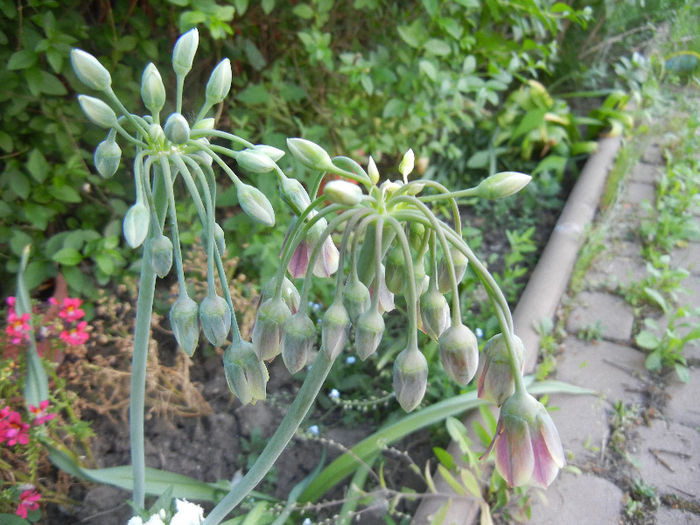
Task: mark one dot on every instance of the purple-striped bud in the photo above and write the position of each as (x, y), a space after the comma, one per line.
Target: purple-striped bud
(298, 338)
(215, 317)
(246, 374)
(459, 353)
(460, 261)
(184, 323)
(395, 270)
(369, 330)
(434, 312)
(410, 378)
(334, 331)
(355, 298)
(496, 382)
(267, 331)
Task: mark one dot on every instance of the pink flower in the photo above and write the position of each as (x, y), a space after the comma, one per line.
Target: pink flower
(17, 327)
(76, 335)
(28, 500)
(527, 443)
(40, 413)
(11, 302)
(70, 309)
(12, 429)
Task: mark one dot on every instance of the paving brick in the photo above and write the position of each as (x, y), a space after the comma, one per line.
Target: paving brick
(682, 406)
(668, 455)
(653, 154)
(687, 257)
(637, 192)
(646, 173)
(610, 313)
(605, 367)
(582, 422)
(667, 516)
(584, 500)
(614, 271)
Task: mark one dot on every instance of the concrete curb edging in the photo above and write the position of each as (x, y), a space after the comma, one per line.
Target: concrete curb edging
(539, 300)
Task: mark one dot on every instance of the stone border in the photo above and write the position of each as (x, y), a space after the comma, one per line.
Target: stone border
(539, 300)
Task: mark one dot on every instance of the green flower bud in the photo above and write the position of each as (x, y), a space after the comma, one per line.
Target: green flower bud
(309, 154)
(161, 255)
(254, 161)
(97, 111)
(219, 82)
(255, 204)
(416, 235)
(369, 330)
(203, 154)
(406, 164)
(267, 331)
(272, 152)
(334, 330)
(372, 171)
(343, 192)
(356, 298)
(184, 50)
(410, 378)
(294, 194)
(434, 311)
(496, 382)
(176, 129)
(205, 123)
(156, 133)
(395, 270)
(290, 295)
(107, 156)
(460, 262)
(183, 320)
(219, 239)
(215, 318)
(136, 223)
(245, 373)
(298, 338)
(89, 70)
(459, 352)
(152, 89)
(503, 184)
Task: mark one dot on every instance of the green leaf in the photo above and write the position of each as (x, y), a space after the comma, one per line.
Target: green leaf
(470, 482)
(451, 481)
(127, 43)
(530, 121)
(254, 94)
(241, 6)
(479, 160)
(37, 272)
(394, 108)
(437, 47)
(412, 34)
(22, 59)
(51, 85)
(653, 361)
(268, 6)
(5, 141)
(255, 57)
(431, 6)
(67, 256)
(458, 433)
(19, 184)
(655, 296)
(682, 373)
(38, 215)
(427, 67)
(77, 282)
(12, 519)
(37, 166)
(65, 193)
(105, 263)
(303, 11)
(646, 339)
(444, 457)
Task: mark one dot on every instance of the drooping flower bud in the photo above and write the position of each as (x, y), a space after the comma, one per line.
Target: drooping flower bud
(176, 129)
(274, 153)
(386, 298)
(267, 331)
(155, 132)
(161, 249)
(503, 184)
(152, 89)
(369, 330)
(215, 318)
(294, 194)
(406, 164)
(97, 111)
(290, 294)
(136, 223)
(434, 311)
(416, 236)
(327, 264)
(459, 352)
(255, 204)
(372, 171)
(205, 123)
(334, 331)
(298, 338)
(219, 82)
(184, 51)
(183, 320)
(89, 70)
(310, 154)
(460, 262)
(496, 382)
(410, 378)
(255, 161)
(220, 239)
(355, 298)
(343, 192)
(395, 270)
(246, 374)
(203, 154)
(107, 156)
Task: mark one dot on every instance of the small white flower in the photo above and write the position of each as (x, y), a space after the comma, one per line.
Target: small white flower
(478, 332)
(313, 430)
(306, 521)
(334, 394)
(154, 520)
(187, 513)
(136, 520)
(350, 360)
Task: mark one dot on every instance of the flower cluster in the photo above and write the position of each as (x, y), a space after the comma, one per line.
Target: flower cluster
(18, 326)
(186, 513)
(28, 500)
(74, 331)
(14, 430)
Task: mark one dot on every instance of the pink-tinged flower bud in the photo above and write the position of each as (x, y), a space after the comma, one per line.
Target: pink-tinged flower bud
(107, 156)
(215, 318)
(459, 353)
(246, 374)
(395, 270)
(274, 153)
(355, 298)
(460, 262)
(327, 263)
(334, 331)
(184, 322)
(289, 292)
(161, 255)
(176, 129)
(255, 161)
(343, 192)
(97, 111)
(496, 382)
(267, 331)
(369, 330)
(503, 184)
(295, 195)
(136, 223)
(152, 89)
(298, 338)
(434, 312)
(89, 70)
(184, 51)
(255, 204)
(219, 83)
(386, 298)
(410, 378)
(527, 444)
(310, 154)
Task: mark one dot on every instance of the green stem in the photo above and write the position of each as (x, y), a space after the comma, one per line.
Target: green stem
(412, 299)
(221, 134)
(279, 440)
